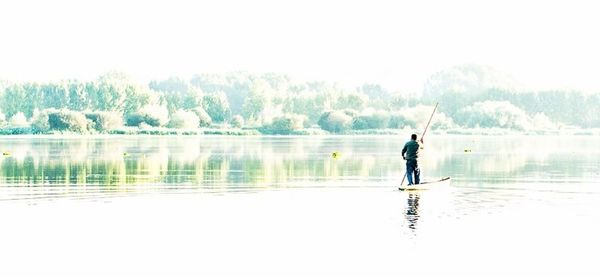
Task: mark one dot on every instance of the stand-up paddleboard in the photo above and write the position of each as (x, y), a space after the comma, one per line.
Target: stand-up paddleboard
(444, 182)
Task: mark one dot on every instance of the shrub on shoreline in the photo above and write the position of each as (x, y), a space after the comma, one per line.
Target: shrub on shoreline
(335, 121)
(66, 120)
(237, 121)
(104, 121)
(374, 120)
(153, 115)
(204, 120)
(184, 120)
(284, 125)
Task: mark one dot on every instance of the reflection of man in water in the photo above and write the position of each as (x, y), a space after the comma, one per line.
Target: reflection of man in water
(412, 210)
(411, 149)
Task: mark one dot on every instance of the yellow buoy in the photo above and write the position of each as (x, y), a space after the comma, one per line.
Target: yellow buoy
(335, 155)
(125, 154)
(5, 153)
(467, 150)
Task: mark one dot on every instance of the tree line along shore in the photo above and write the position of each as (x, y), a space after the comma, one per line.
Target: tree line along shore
(473, 99)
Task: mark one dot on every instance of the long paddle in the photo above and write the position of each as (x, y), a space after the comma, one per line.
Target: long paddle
(422, 136)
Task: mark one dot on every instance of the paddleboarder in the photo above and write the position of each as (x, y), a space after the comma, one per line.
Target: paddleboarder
(410, 153)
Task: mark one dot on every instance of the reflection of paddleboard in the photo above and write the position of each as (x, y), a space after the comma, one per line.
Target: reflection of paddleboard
(427, 185)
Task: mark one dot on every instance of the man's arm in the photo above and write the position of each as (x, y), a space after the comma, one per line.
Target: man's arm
(404, 151)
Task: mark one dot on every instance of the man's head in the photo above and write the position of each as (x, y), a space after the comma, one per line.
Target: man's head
(413, 136)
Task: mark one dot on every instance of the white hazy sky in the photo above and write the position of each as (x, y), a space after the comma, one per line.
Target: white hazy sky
(396, 43)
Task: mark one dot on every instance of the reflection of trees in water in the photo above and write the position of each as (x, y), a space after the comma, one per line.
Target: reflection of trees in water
(266, 161)
(412, 210)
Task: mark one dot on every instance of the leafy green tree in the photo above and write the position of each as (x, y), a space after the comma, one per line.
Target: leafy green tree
(34, 98)
(235, 85)
(66, 120)
(253, 106)
(104, 121)
(110, 91)
(354, 101)
(18, 120)
(488, 114)
(178, 93)
(39, 121)
(77, 95)
(373, 120)
(152, 115)
(312, 105)
(284, 125)
(463, 85)
(335, 121)
(237, 121)
(204, 119)
(399, 121)
(138, 98)
(217, 107)
(13, 100)
(374, 91)
(590, 118)
(184, 120)
(56, 95)
(172, 84)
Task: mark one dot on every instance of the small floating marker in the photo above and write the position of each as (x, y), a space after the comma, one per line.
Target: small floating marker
(467, 150)
(335, 155)
(125, 154)
(5, 153)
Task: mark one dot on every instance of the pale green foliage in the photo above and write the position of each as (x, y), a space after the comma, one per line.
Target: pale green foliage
(284, 125)
(18, 120)
(56, 95)
(235, 85)
(13, 100)
(258, 99)
(441, 122)
(182, 119)
(263, 103)
(541, 122)
(310, 104)
(204, 119)
(490, 114)
(371, 120)
(138, 98)
(39, 121)
(464, 85)
(66, 120)
(335, 121)
(111, 91)
(237, 121)
(397, 102)
(153, 115)
(466, 79)
(217, 106)
(416, 118)
(178, 93)
(399, 121)
(355, 101)
(104, 121)
(78, 99)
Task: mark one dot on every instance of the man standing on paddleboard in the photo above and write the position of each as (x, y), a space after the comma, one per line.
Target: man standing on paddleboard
(410, 153)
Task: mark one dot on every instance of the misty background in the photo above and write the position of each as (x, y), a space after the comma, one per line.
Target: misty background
(286, 66)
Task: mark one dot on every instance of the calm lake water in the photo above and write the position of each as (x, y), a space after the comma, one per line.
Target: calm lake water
(283, 206)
